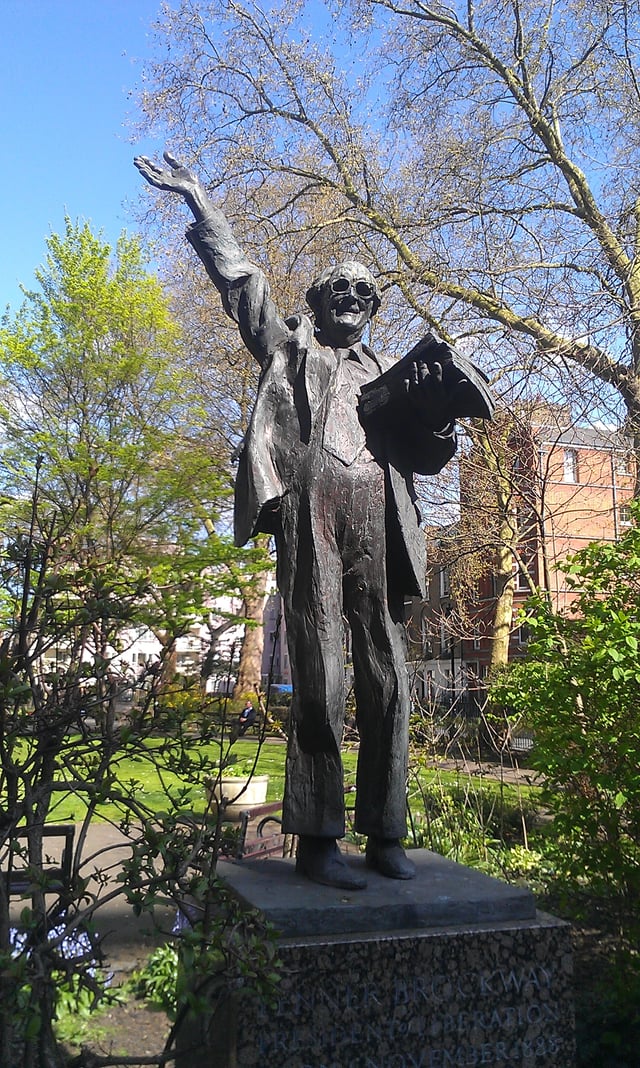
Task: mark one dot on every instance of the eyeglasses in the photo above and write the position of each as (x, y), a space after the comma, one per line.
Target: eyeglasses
(362, 288)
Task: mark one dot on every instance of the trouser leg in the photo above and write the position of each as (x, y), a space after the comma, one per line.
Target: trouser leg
(382, 695)
(310, 578)
(382, 713)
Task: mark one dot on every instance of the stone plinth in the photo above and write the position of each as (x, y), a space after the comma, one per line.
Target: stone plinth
(442, 894)
(450, 970)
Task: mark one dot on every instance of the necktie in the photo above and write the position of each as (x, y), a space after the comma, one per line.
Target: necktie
(344, 436)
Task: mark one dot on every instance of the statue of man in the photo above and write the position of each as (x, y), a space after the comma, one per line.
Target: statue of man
(336, 492)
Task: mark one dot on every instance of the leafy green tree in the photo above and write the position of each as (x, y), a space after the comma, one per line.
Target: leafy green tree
(110, 500)
(579, 689)
(94, 392)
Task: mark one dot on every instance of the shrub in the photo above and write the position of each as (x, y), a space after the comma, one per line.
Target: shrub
(579, 688)
(157, 981)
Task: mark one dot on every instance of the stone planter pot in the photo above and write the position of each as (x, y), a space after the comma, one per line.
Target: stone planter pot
(240, 793)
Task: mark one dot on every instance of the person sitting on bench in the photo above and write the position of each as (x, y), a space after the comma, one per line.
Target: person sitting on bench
(246, 718)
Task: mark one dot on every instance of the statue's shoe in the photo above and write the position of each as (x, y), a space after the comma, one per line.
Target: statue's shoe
(387, 856)
(320, 860)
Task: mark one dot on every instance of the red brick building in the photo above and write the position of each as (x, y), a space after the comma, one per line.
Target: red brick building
(570, 486)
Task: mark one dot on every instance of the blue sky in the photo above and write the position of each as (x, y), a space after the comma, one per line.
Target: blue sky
(67, 68)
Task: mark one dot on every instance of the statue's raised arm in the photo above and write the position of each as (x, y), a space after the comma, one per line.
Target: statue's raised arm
(242, 285)
(176, 178)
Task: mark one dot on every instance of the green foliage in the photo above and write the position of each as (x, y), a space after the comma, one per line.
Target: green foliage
(579, 689)
(157, 981)
(532, 867)
(109, 496)
(55, 980)
(227, 948)
(607, 1021)
(93, 396)
(76, 1005)
(453, 831)
(236, 769)
(472, 823)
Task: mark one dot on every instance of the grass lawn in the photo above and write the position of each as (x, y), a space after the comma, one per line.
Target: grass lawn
(151, 778)
(156, 778)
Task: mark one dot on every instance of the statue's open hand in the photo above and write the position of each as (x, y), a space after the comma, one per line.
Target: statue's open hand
(174, 179)
(426, 392)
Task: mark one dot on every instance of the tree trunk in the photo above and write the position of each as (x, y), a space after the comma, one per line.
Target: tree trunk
(507, 542)
(503, 619)
(249, 678)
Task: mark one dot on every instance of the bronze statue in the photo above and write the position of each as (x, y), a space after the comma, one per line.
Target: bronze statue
(326, 468)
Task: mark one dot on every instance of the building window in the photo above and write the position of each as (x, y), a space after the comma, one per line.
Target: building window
(570, 465)
(624, 515)
(428, 689)
(522, 575)
(523, 635)
(447, 637)
(426, 637)
(623, 463)
(445, 586)
(477, 636)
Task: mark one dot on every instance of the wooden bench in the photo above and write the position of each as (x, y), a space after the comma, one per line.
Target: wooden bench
(259, 833)
(260, 830)
(254, 728)
(55, 875)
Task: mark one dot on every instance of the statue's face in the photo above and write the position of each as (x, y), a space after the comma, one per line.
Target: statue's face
(346, 305)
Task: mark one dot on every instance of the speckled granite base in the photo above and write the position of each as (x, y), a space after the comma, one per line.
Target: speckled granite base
(458, 996)
(498, 997)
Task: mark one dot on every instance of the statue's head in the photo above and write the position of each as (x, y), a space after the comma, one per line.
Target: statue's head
(343, 300)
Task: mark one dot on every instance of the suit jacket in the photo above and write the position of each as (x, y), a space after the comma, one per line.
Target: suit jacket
(296, 377)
